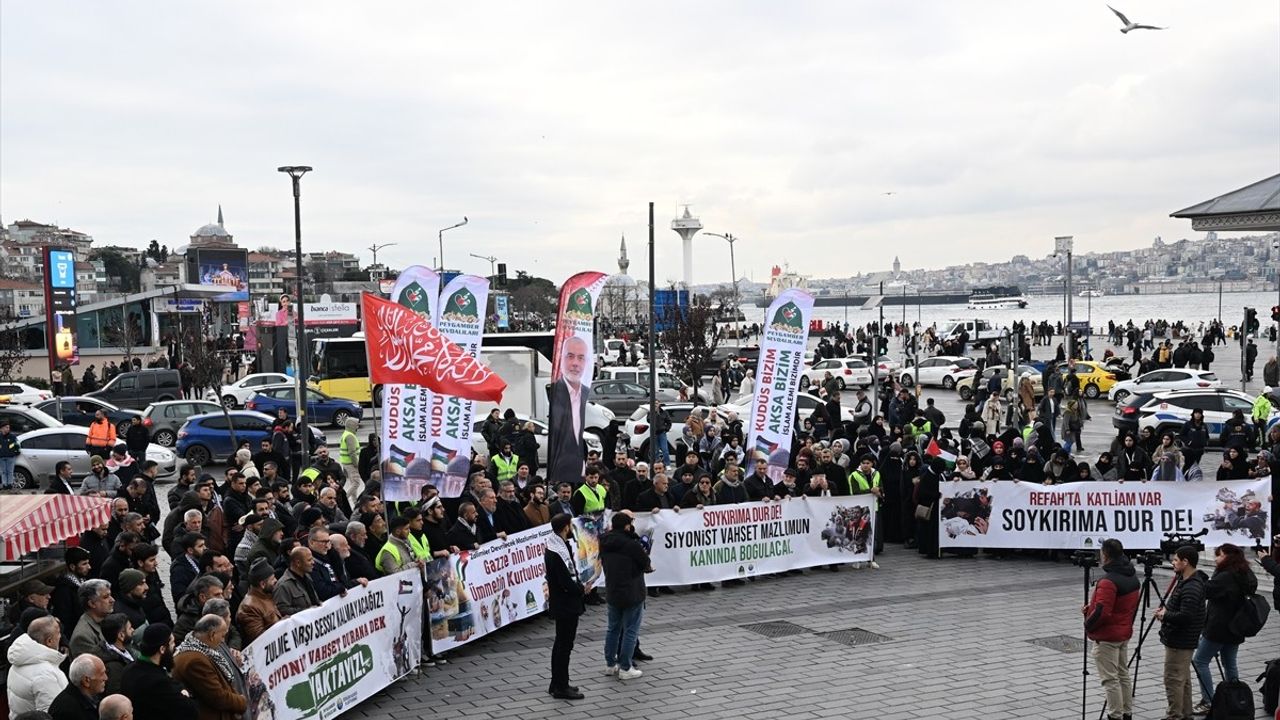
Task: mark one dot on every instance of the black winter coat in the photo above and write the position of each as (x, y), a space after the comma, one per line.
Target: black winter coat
(1184, 613)
(1225, 592)
(625, 563)
(565, 594)
(155, 695)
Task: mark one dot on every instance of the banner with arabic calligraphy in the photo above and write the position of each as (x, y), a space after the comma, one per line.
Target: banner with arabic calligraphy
(773, 407)
(461, 319)
(571, 373)
(405, 434)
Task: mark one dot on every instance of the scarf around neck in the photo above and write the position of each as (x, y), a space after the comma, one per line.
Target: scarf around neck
(191, 643)
(563, 549)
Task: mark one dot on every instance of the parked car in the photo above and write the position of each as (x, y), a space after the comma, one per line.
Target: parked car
(236, 394)
(25, 419)
(939, 371)
(806, 404)
(320, 407)
(206, 438)
(964, 386)
(79, 410)
(480, 447)
(1170, 410)
(139, 388)
(1125, 417)
(16, 393)
(846, 371)
(1094, 377)
(624, 397)
(1166, 379)
(163, 419)
(667, 380)
(887, 367)
(43, 449)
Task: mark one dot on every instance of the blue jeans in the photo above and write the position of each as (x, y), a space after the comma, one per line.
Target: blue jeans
(624, 627)
(663, 452)
(6, 471)
(1200, 661)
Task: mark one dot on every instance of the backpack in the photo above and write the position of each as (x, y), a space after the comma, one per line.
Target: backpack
(1232, 700)
(1270, 689)
(1251, 616)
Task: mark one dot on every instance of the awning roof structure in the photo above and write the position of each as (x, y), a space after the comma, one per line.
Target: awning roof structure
(1252, 207)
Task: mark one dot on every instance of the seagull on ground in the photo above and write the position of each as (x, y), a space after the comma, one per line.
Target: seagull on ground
(1131, 25)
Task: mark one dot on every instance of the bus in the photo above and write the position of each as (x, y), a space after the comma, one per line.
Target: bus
(340, 366)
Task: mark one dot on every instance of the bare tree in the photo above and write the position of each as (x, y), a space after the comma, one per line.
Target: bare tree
(12, 347)
(122, 331)
(689, 337)
(203, 363)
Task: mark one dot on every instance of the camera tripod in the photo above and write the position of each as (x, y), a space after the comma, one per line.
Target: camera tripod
(1149, 588)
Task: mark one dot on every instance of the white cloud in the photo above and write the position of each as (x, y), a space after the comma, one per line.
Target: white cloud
(551, 125)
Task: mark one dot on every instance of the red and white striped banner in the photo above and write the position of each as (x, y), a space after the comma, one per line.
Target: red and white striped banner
(31, 522)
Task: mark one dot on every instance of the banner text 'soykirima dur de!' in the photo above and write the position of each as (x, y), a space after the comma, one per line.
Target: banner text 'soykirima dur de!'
(1079, 516)
(773, 406)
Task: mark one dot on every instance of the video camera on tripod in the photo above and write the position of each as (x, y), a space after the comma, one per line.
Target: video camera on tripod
(1172, 541)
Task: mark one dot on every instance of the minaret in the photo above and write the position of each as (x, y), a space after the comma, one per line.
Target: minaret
(623, 262)
(220, 216)
(687, 226)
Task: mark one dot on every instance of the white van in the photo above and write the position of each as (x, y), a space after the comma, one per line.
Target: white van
(979, 331)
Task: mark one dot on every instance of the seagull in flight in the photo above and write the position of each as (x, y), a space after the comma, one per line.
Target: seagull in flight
(1131, 25)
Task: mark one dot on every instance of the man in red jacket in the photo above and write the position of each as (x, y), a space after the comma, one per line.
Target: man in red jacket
(1108, 621)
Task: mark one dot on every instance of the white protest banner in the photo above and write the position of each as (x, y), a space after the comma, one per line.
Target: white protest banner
(473, 593)
(460, 319)
(736, 541)
(327, 659)
(406, 442)
(1077, 516)
(781, 361)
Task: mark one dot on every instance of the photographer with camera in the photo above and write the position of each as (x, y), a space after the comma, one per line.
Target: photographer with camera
(1108, 621)
(1181, 621)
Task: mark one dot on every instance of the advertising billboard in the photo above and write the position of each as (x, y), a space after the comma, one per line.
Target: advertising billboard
(502, 310)
(60, 310)
(223, 269)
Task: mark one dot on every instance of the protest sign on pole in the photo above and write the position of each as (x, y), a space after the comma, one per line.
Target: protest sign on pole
(571, 372)
(778, 369)
(327, 659)
(725, 542)
(461, 320)
(405, 434)
(1079, 516)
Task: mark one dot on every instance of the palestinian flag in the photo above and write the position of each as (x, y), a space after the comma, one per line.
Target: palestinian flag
(440, 457)
(936, 450)
(399, 459)
(764, 448)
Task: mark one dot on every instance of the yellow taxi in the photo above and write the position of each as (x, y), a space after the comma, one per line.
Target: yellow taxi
(1095, 378)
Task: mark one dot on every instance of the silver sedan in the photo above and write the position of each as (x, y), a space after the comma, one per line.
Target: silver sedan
(43, 449)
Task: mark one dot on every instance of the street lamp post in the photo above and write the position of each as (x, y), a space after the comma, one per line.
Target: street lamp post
(491, 260)
(733, 268)
(1063, 244)
(440, 235)
(295, 173)
(374, 248)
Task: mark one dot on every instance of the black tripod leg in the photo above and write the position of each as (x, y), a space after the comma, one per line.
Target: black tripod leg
(1084, 661)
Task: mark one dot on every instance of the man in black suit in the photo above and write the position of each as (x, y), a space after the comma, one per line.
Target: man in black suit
(60, 483)
(564, 603)
(488, 526)
(568, 398)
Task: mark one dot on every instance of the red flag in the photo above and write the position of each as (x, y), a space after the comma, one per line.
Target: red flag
(405, 348)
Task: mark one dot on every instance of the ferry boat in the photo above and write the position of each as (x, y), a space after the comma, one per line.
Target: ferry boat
(997, 298)
(1090, 293)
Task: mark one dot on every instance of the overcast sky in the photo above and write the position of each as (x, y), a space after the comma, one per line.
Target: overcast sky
(996, 125)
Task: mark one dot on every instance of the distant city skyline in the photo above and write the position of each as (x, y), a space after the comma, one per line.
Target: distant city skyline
(831, 135)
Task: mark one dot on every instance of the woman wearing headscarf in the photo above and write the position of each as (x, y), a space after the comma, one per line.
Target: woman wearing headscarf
(1234, 466)
(891, 483)
(1105, 468)
(911, 468)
